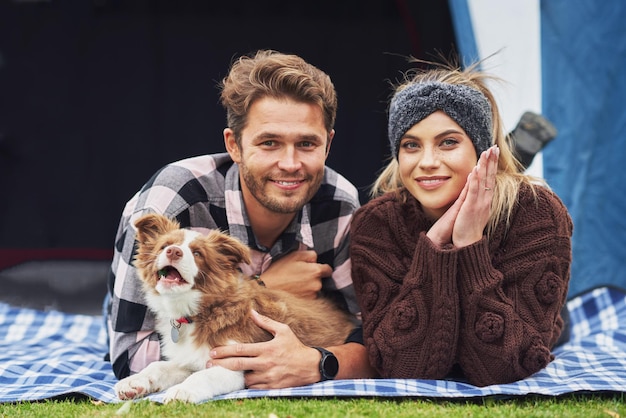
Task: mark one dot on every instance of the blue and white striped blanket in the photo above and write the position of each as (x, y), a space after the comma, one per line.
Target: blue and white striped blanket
(52, 354)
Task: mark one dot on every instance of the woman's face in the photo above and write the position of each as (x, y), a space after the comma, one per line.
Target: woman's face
(435, 157)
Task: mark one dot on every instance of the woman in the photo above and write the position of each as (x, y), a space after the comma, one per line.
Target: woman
(462, 266)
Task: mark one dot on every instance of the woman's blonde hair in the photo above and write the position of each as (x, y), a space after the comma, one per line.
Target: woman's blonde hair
(510, 172)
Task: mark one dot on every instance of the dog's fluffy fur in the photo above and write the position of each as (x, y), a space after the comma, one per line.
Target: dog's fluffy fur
(189, 275)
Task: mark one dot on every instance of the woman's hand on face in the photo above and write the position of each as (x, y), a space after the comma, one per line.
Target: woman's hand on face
(441, 232)
(473, 216)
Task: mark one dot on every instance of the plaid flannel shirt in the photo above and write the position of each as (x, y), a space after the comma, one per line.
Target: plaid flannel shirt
(204, 193)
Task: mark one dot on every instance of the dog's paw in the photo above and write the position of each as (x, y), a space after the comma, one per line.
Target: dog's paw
(205, 384)
(133, 387)
(187, 393)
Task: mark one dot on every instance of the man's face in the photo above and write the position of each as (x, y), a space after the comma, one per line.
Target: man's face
(283, 151)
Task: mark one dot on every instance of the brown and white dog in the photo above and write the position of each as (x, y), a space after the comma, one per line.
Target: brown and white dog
(201, 300)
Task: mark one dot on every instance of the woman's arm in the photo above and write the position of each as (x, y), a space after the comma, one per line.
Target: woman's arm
(512, 293)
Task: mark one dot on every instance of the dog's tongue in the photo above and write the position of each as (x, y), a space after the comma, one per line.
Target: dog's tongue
(170, 275)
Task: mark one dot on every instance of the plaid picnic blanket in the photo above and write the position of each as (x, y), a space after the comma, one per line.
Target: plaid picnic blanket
(52, 354)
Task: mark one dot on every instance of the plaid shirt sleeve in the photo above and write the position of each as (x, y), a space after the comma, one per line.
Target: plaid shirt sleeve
(330, 224)
(181, 190)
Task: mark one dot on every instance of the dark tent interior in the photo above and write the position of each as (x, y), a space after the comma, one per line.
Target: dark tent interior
(95, 96)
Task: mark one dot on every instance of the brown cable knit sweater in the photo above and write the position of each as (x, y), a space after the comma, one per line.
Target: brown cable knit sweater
(491, 308)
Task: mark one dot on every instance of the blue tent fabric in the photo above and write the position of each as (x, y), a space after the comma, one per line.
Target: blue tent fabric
(45, 355)
(583, 59)
(459, 11)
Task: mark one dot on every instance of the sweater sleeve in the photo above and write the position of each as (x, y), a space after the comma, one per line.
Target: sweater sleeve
(408, 296)
(512, 290)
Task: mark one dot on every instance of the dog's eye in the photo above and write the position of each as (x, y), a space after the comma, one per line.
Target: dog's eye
(196, 253)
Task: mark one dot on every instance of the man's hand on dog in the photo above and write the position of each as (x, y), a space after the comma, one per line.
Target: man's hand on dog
(279, 363)
(298, 273)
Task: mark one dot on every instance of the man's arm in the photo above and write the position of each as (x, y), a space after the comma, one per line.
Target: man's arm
(133, 343)
(284, 361)
(353, 361)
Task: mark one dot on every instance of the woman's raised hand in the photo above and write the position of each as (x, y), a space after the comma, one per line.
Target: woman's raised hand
(473, 216)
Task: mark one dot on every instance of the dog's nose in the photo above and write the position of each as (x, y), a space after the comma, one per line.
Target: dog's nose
(173, 253)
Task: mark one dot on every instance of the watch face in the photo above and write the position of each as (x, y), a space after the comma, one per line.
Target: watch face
(331, 366)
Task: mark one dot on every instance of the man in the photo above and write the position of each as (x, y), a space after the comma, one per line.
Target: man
(273, 192)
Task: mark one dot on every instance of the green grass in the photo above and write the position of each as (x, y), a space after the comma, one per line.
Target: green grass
(586, 406)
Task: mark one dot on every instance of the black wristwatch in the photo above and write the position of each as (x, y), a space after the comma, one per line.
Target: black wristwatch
(329, 365)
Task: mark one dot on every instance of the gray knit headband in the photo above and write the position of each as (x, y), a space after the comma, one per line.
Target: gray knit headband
(467, 106)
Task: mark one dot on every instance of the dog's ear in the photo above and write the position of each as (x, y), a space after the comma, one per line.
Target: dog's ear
(153, 225)
(234, 250)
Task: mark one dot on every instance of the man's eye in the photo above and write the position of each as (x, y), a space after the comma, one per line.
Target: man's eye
(307, 144)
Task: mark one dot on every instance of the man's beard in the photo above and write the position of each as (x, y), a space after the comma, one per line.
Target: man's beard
(285, 205)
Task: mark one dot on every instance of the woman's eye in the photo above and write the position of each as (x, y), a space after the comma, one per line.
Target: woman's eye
(449, 142)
